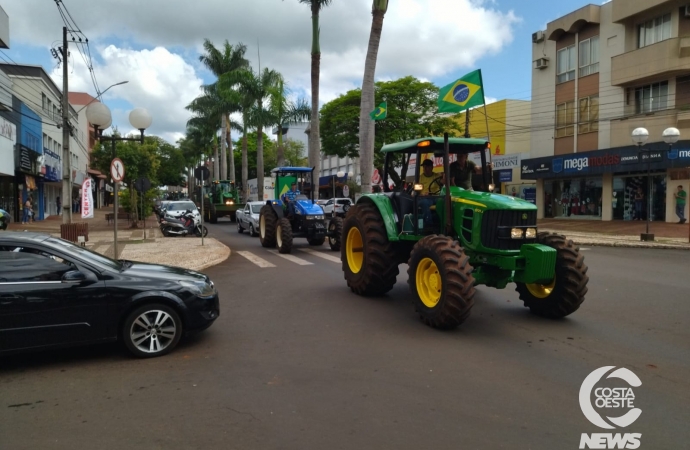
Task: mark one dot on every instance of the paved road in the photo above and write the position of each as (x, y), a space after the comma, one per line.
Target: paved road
(298, 362)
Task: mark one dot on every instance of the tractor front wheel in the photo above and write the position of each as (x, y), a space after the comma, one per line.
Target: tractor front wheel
(268, 222)
(335, 231)
(369, 259)
(566, 292)
(210, 212)
(440, 277)
(284, 235)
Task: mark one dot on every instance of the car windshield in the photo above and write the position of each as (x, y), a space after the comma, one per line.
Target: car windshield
(181, 206)
(83, 252)
(256, 209)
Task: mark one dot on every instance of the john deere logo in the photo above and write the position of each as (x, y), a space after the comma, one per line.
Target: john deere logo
(524, 216)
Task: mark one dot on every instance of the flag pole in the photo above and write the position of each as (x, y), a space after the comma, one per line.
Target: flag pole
(488, 135)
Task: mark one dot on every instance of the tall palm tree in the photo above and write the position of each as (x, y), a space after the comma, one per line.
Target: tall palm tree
(255, 88)
(366, 125)
(314, 138)
(285, 111)
(209, 109)
(219, 62)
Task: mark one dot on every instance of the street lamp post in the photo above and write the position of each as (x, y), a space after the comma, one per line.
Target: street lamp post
(101, 94)
(99, 116)
(640, 137)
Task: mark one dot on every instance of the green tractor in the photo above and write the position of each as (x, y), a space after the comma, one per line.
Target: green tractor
(467, 238)
(222, 199)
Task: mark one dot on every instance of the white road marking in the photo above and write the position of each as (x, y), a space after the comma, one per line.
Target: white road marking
(256, 260)
(584, 248)
(311, 251)
(294, 259)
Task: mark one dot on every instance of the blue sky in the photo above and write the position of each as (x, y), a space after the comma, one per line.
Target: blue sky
(160, 57)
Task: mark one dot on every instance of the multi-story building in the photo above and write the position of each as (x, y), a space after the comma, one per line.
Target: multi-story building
(599, 73)
(35, 89)
(8, 130)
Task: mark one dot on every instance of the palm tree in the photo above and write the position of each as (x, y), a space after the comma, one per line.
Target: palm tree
(366, 125)
(314, 138)
(255, 89)
(285, 111)
(209, 110)
(221, 62)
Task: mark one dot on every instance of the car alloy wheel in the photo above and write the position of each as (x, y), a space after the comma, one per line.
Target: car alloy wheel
(152, 330)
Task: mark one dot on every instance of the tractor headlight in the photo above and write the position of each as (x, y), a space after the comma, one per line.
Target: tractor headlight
(316, 217)
(531, 233)
(516, 233)
(229, 202)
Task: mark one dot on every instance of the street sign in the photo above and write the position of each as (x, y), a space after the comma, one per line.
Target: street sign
(202, 173)
(142, 185)
(346, 191)
(117, 170)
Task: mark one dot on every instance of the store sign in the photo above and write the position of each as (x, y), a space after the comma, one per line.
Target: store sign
(651, 156)
(25, 159)
(8, 138)
(53, 166)
(678, 154)
(506, 161)
(86, 199)
(528, 168)
(505, 176)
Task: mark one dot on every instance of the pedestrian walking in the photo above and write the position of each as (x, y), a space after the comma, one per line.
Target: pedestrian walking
(680, 196)
(58, 203)
(27, 211)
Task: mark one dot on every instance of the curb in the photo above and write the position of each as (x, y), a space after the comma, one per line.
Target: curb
(216, 261)
(631, 245)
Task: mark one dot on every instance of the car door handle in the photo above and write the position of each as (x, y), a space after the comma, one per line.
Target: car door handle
(7, 299)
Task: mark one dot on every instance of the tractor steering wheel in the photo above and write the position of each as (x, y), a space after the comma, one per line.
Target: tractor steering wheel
(438, 183)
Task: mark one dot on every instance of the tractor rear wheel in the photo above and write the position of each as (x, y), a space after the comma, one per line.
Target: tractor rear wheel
(369, 259)
(210, 212)
(440, 277)
(268, 222)
(566, 292)
(335, 227)
(284, 235)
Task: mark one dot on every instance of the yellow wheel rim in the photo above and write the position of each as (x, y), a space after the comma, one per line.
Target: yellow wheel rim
(262, 227)
(429, 283)
(354, 250)
(279, 236)
(541, 290)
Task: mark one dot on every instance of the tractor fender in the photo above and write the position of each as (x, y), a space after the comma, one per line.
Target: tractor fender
(277, 206)
(385, 207)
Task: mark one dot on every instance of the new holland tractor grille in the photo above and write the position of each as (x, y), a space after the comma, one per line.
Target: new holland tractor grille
(495, 223)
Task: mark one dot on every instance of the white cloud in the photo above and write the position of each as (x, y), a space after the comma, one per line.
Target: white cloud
(423, 38)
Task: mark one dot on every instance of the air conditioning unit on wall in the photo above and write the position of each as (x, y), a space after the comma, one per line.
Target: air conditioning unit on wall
(541, 63)
(538, 36)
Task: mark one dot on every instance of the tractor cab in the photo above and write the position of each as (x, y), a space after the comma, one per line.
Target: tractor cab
(290, 185)
(225, 192)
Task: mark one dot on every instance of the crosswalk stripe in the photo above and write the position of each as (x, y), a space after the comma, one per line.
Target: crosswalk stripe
(294, 259)
(255, 259)
(311, 251)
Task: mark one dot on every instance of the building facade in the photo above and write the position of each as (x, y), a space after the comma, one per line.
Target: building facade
(599, 73)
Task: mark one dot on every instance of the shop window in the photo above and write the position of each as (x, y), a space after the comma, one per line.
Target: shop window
(653, 31)
(631, 195)
(565, 64)
(565, 119)
(589, 56)
(573, 197)
(652, 97)
(589, 115)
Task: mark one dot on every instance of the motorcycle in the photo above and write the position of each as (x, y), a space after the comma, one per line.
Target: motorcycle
(184, 225)
(4, 219)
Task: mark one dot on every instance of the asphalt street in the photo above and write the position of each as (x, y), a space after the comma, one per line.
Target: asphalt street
(296, 361)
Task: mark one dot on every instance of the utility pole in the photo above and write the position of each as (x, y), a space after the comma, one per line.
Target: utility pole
(66, 160)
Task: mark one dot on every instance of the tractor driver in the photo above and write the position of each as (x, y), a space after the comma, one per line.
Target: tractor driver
(432, 184)
(289, 198)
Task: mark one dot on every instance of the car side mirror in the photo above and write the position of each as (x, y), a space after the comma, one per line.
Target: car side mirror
(74, 277)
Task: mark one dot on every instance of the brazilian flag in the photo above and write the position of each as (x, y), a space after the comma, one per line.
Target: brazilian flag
(379, 113)
(462, 94)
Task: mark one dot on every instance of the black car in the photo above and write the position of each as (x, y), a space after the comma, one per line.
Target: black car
(54, 293)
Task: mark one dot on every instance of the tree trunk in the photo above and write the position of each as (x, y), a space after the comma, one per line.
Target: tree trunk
(245, 169)
(223, 155)
(231, 154)
(281, 150)
(133, 206)
(260, 161)
(216, 169)
(314, 139)
(366, 125)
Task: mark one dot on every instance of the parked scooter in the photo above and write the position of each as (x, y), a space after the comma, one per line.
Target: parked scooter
(184, 225)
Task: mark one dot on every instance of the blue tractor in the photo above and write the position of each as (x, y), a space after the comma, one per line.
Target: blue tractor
(281, 219)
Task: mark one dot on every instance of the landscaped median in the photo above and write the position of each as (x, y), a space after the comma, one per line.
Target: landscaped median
(608, 240)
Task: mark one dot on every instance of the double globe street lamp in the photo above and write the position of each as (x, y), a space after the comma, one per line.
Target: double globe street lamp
(640, 137)
(100, 117)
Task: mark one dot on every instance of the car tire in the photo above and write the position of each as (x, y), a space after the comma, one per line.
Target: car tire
(152, 330)
(252, 231)
(239, 227)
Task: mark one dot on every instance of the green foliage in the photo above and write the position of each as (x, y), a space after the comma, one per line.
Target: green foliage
(252, 142)
(172, 165)
(411, 114)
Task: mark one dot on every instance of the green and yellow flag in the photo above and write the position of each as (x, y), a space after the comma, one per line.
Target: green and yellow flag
(379, 113)
(462, 94)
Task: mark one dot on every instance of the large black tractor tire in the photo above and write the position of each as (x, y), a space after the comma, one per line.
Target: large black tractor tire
(564, 295)
(268, 222)
(210, 215)
(369, 259)
(335, 227)
(284, 236)
(440, 277)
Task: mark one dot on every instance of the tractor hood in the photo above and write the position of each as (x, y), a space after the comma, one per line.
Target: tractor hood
(306, 207)
(489, 200)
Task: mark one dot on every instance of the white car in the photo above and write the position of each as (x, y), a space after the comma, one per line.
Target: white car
(248, 218)
(342, 206)
(176, 208)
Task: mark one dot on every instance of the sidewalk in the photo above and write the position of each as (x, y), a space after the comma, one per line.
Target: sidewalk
(138, 244)
(619, 233)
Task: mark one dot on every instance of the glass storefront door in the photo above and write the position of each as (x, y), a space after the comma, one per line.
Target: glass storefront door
(631, 197)
(8, 197)
(572, 198)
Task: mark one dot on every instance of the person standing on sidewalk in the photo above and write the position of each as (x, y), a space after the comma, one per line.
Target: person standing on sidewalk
(680, 196)
(58, 203)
